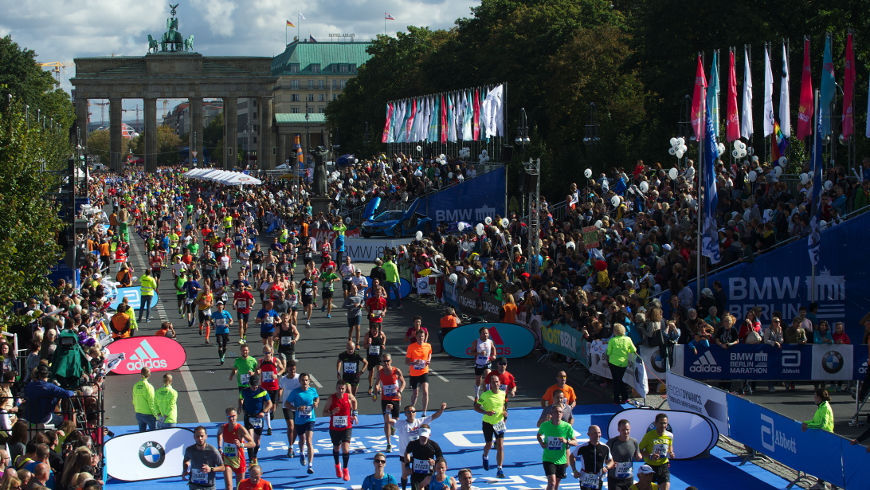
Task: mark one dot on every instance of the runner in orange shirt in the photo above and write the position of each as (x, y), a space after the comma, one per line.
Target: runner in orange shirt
(418, 357)
(256, 481)
(561, 384)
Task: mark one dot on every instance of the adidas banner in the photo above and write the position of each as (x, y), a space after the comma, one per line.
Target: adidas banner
(129, 356)
(147, 455)
(761, 361)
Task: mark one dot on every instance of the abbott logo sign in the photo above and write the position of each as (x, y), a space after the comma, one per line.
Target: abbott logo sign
(772, 438)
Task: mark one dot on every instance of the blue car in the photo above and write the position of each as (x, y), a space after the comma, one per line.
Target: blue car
(394, 223)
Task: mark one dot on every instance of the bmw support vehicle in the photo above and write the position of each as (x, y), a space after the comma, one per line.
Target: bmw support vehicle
(394, 223)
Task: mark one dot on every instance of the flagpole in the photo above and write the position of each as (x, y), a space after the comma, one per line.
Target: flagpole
(698, 210)
(812, 204)
(298, 23)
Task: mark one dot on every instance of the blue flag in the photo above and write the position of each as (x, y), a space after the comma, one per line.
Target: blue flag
(815, 239)
(827, 92)
(713, 93)
(709, 230)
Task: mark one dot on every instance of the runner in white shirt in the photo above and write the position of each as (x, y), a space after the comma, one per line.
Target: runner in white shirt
(346, 271)
(408, 429)
(484, 350)
(286, 385)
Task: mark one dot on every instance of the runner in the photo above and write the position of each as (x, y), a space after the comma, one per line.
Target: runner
(465, 479)
(306, 287)
(347, 271)
(439, 480)
(559, 401)
(305, 400)
(354, 303)
(201, 462)
(243, 301)
(222, 321)
(288, 336)
(408, 429)
(267, 317)
(180, 292)
(376, 306)
(595, 460)
(645, 475)
(286, 385)
(327, 279)
(493, 405)
(256, 403)
(191, 289)
(348, 367)
(379, 479)
(420, 456)
(373, 344)
(657, 447)
(391, 383)
(255, 481)
(505, 379)
(555, 436)
(245, 366)
(342, 412)
(625, 451)
(419, 356)
(232, 438)
(270, 369)
(484, 350)
(204, 300)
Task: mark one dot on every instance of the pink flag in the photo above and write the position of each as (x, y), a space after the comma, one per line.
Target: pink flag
(443, 120)
(385, 136)
(732, 122)
(699, 104)
(805, 109)
(849, 90)
(475, 122)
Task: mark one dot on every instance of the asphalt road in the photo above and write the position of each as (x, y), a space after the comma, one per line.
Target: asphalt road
(205, 390)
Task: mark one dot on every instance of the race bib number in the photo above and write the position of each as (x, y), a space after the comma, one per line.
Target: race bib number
(220, 322)
(421, 466)
(481, 361)
(420, 364)
(268, 376)
(339, 421)
(350, 368)
(502, 387)
(589, 480)
(230, 450)
(554, 443)
(499, 428)
(256, 422)
(243, 378)
(304, 410)
(198, 476)
(286, 340)
(391, 390)
(661, 450)
(377, 313)
(624, 469)
(374, 350)
(243, 304)
(190, 300)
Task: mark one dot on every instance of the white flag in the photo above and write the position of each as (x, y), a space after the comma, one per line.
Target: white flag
(492, 109)
(768, 95)
(784, 110)
(301, 16)
(746, 128)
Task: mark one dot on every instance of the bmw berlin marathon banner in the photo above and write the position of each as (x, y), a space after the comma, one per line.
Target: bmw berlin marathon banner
(471, 201)
(147, 455)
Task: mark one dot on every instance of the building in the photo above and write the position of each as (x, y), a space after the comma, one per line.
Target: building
(179, 117)
(310, 75)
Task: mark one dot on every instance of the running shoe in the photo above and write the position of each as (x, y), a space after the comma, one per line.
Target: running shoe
(500, 473)
(290, 452)
(302, 458)
(307, 323)
(310, 470)
(269, 431)
(338, 471)
(485, 464)
(389, 448)
(328, 315)
(346, 475)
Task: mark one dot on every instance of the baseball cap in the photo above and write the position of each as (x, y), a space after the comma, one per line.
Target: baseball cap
(645, 470)
(424, 432)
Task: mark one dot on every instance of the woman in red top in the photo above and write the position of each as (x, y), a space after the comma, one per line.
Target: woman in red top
(342, 414)
(270, 368)
(391, 381)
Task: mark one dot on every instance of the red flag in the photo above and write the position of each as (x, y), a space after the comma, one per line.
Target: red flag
(443, 120)
(805, 110)
(699, 101)
(475, 121)
(732, 123)
(387, 125)
(849, 90)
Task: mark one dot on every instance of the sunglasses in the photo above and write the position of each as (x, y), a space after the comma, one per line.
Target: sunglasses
(380, 461)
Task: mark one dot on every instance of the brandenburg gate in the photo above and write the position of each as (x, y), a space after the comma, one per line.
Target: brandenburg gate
(172, 70)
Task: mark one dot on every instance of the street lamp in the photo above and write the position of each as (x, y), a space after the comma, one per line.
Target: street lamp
(590, 130)
(532, 168)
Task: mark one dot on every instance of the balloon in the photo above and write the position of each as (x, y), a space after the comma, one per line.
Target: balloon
(674, 141)
(418, 235)
(804, 178)
(742, 152)
(672, 173)
(487, 220)
(777, 171)
(679, 153)
(605, 186)
(347, 220)
(599, 224)
(681, 141)
(505, 222)
(828, 185)
(461, 226)
(751, 151)
(644, 186)
(452, 278)
(419, 148)
(823, 224)
(479, 228)
(587, 173)
(350, 181)
(614, 201)
(684, 148)
(735, 153)
(672, 151)
(721, 148)
(752, 176)
(449, 175)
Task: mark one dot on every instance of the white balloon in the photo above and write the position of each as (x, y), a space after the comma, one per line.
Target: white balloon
(461, 226)
(418, 235)
(823, 224)
(487, 220)
(721, 148)
(505, 222)
(350, 181)
(587, 173)
(599, 224)
(742, 152)
(452, 278)
(679, 153)
(449, 175)
(644, 186)
(347, 220)
(804, 178)
(752, 176)
(681, 141)
(672, 151)
(479, 228)
(674, 141)
(605, 186)
(735, 153)
(777, 171)
(614, 201)
(828, 185)
(783, 160)
(419, 148)
(672, 173)
(684, 148)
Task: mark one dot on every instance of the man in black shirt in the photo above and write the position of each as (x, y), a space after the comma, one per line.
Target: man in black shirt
(595, 460)
(348, 366)
(420, 456)
(378, 272)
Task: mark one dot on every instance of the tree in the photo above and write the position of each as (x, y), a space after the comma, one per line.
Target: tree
(168, 145)
(213, 140)
(99, 145)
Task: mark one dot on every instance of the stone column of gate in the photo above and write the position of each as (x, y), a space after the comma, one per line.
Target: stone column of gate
(115, 133)
(150, 134)
(231, 116)
(282, 147)
(82, 121)
(195, 136)
(266, 157)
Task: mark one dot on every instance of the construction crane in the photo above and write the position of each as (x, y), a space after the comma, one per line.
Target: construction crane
(57, 65)
(102, 111)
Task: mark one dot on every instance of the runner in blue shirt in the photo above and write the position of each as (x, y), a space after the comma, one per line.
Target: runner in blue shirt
(256, 402)
(305, 400)
(267, 317)
(222, 321)
(192, 288)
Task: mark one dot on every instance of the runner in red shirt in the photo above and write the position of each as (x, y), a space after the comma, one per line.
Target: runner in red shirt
(506, 381)
(270, 369)
(233, 438)
(256, 481)
(243, 300)
(377, 307)
(391, 383)
(342, 414)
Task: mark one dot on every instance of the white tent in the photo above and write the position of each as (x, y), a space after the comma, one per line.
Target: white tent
(225, 177)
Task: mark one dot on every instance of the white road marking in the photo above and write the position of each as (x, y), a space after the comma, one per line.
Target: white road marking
(314, 381)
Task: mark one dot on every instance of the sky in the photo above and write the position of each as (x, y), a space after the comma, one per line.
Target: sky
(61, 30)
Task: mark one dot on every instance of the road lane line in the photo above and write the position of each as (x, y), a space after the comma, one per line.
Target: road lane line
(314, 381)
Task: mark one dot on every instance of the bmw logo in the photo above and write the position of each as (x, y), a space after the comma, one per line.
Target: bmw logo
(832, 362)
(657, 362)
(152, 454)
